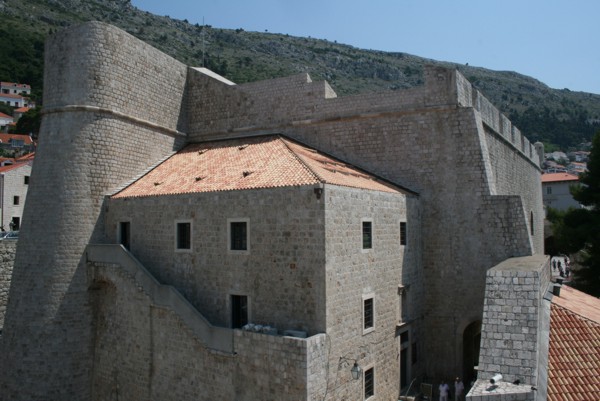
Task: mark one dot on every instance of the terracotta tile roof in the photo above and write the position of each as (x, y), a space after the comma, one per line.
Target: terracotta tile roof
(2, 115)
(15, 85)
(27, 157)
(9, 167)
(574, 350)
(23, 109)
(556, 177)
(249, 163)
(11, 96)
(5, 138)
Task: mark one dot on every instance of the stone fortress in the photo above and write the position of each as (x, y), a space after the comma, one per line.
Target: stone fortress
(121, 290)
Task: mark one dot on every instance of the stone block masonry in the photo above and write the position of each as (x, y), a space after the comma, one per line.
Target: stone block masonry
(103, 124)
(114, 106)
(7, 260)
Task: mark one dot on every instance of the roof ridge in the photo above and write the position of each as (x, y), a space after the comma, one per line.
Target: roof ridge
(577, 314)
(301, 160)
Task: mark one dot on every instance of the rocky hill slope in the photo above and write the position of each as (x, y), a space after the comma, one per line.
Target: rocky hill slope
(558, 117)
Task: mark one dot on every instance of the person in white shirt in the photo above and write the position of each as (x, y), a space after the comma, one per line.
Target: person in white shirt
(444, 389)
(459, 389)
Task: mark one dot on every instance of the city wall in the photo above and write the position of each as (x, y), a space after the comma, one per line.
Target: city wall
(93, 138)
(442, 140)
(477, 176)
(7, 260)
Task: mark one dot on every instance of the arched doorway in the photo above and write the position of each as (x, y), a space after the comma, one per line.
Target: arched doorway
(471, 342)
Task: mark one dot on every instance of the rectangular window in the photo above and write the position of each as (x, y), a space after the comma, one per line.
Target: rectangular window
(26, 180)
(548, 190)
(368, 314)
(124, 233)
(402, 233)
(239, 311)
(239, 236)
(367, 235)
(184, 235)
(15, 200)
(369, 383)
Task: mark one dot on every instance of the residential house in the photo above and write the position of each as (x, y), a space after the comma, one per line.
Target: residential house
(15, 88)
(18, 113)
(577, 167)
(17, 143)
(5, 121)
(14, 184)
(17, 101)
(556, 190)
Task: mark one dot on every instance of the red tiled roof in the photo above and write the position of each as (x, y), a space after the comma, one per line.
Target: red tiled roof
(11, 95)
(574, 350)
(249, 163)
(27, 157)
(2, 115)
(8, 167)
(556, 177)
(5, 138)
(23, 109)
(13, 84)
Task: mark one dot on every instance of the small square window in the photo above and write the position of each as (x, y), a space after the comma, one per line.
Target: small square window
(184, 235)
(368, 315)
(16, 200)
(369, 383)
(26, 180)
(367, 235)
(238, 235)
(402, 233)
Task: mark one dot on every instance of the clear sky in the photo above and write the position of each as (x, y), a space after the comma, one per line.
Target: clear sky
(554, 41)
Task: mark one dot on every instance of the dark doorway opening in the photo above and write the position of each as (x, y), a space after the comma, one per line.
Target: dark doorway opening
(239, 311)
(471, 342)
(124, 234)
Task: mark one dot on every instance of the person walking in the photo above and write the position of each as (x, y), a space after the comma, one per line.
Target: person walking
(444, 389)
(459, 389)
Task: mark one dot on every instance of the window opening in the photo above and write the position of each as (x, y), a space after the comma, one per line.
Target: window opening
(367, 237)
(184, 235)
(239, 311)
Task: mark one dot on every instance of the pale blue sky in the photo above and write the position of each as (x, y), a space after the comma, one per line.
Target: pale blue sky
(554, 41)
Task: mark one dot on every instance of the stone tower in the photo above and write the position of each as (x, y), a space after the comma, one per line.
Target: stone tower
(94, 134)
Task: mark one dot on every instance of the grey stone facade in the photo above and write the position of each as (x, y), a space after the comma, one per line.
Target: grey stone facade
(116, 107)
(7, 260)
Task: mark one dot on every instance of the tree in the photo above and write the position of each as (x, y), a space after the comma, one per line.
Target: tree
(30, 122)
(578, 230)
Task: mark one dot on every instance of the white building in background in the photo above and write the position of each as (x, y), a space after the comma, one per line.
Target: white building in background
(14, 183)
(556, 190)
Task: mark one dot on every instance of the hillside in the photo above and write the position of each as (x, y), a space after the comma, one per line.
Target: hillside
(559, 118)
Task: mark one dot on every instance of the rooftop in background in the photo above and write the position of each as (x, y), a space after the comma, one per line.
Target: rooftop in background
(15, 85)
(558, 177)
(6, 138)
(574, 354)
(249, 163)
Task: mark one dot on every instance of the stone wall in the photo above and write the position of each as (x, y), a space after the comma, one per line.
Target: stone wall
(354, 274)
(512, 324)
(94, 137)
(7, 259)
(300, 248)
(282, 273)
(444, 140)
(145, 351)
